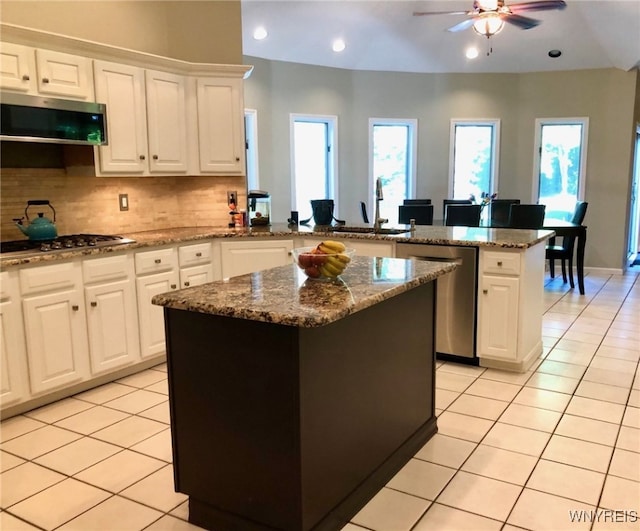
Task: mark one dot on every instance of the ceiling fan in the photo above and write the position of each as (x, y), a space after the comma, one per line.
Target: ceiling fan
(488, 16)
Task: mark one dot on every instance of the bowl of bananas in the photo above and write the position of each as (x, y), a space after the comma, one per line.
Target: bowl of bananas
(325, 261)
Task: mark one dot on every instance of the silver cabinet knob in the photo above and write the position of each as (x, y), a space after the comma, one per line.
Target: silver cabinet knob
(94, 304)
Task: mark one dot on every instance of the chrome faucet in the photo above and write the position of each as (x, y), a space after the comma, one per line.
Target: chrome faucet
(378, 221)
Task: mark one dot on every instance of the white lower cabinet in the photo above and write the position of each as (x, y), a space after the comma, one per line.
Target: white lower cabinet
(196, 266)
(111, 313)
(55, 326)
(242, 257)
(157, 272)
(510, 307)
(13, 362)
(498, 317)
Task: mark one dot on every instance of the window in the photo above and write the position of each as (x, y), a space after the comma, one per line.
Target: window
(251, 139)
(561, 146)
(314, 161)
(392, 148)
(473, 158)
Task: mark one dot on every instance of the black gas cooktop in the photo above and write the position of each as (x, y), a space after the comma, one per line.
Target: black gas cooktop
(62, 243)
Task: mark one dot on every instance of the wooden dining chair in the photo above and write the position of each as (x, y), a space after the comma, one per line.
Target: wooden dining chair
(422, 214)
(526, 216)
(564, 251)
(462, 215)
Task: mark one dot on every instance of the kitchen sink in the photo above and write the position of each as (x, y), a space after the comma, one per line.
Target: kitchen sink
(369, 230)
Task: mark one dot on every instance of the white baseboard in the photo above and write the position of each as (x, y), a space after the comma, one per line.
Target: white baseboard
(604, 270)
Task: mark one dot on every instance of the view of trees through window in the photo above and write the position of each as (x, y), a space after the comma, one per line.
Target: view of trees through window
(560, 168)
(312, 163)
(392, 154)
(473, 164)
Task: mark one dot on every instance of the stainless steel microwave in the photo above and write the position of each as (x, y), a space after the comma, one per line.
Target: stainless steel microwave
(27, 118)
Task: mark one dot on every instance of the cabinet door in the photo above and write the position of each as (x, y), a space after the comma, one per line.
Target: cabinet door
(150, 316)
(112, 324)
(13, 361)
(239, 258)
(63, 74)
(18, 68)
(166, 118)
(498, 317)
(196, 275)
(221, 126)
(121, 88)
(56, 333)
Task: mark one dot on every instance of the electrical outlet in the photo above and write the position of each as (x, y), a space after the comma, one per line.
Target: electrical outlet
(232, 197)
(123, 201)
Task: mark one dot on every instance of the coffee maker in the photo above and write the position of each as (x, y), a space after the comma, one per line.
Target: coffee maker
(259, 203)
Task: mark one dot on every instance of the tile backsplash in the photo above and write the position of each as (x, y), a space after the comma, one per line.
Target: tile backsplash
(85, 203)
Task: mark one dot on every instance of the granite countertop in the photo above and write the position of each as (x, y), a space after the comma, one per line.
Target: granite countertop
(284, 295)
(432, 234)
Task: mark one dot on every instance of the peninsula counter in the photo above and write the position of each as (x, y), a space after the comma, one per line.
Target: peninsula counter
(294, 401)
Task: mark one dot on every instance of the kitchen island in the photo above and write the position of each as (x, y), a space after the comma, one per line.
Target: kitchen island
(294, 401)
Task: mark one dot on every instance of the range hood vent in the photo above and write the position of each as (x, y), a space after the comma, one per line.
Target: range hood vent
(28, 118)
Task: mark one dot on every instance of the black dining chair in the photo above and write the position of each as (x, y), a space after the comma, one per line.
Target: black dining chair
(499, 211)
(564, 251)
(423, 214)
(462, 215)
(416, 202)
(526, 216)
(363, 211)
(447, 202)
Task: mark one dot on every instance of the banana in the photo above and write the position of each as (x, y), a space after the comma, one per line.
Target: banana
(336, 262)
(333, 245)
(343, 258)
(332, 270)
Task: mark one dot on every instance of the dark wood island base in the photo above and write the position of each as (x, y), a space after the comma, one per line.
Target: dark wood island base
(278, 427)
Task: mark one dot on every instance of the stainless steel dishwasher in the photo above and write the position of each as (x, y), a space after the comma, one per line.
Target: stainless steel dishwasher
(455, 296)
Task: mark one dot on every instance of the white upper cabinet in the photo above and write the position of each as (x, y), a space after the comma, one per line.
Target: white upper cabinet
(121, 88)
(221, 126)
(146, 120)
(45, 72)
(166, 120)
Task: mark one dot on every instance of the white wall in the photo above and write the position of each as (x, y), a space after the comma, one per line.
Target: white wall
(607, 97)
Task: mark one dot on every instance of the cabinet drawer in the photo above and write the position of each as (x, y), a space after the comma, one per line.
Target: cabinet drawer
(199, 253)
(501, 263)
(155, 261)
(50, 277)
(103, 269)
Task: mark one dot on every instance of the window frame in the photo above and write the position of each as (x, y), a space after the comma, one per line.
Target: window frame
(494, 123)
(331, 122)
(412, 156)
(537, 152)
(251, 148)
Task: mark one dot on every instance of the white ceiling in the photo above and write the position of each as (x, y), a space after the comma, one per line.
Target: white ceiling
(384, 35)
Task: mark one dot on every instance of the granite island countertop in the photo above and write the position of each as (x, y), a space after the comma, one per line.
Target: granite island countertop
(432, 235)
(285, 296)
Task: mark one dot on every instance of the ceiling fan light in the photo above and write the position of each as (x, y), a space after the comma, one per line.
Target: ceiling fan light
(488, 25)
(488, 5)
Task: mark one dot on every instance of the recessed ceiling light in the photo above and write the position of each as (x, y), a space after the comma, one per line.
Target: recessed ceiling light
(471, 53)
(338, 45)
(555, 53)
(260, 33)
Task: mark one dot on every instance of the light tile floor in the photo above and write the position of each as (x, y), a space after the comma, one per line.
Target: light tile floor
(513, 451)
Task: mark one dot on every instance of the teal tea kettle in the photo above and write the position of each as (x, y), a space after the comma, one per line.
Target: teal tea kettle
(41, 228)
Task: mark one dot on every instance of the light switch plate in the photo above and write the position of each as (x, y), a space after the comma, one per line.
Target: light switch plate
(123, 200)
